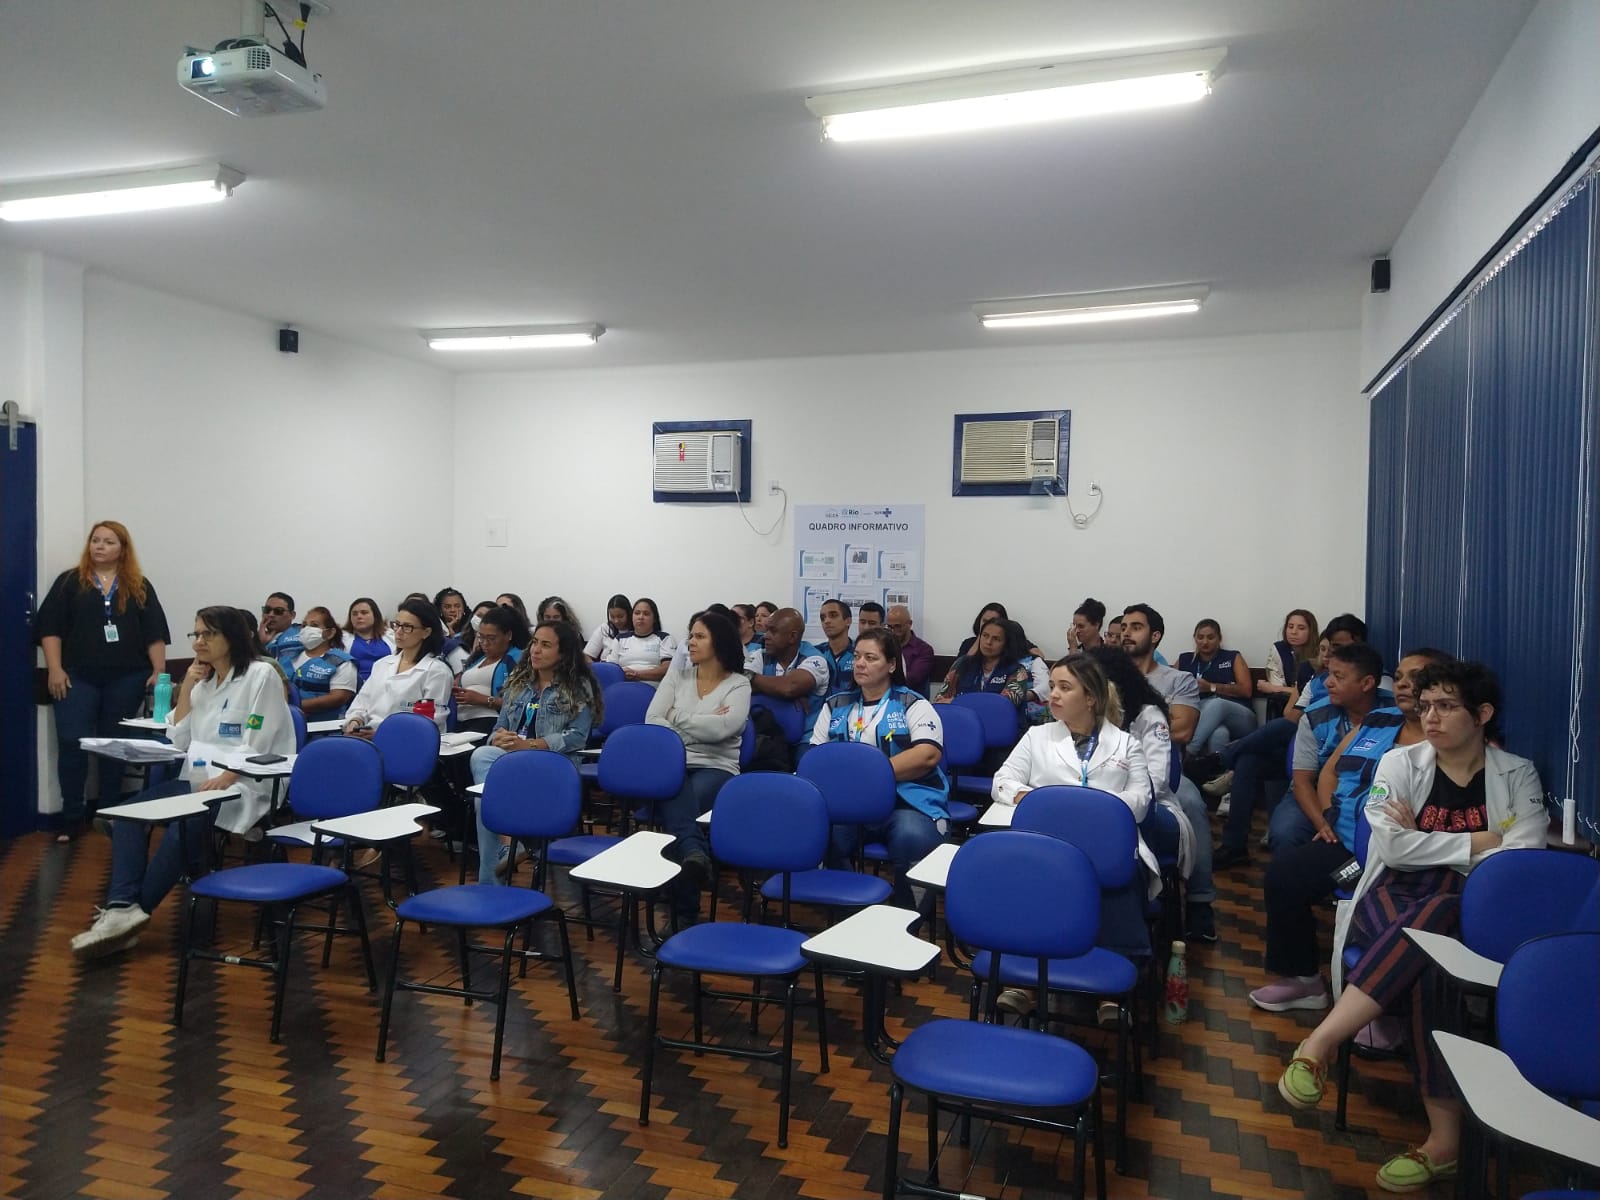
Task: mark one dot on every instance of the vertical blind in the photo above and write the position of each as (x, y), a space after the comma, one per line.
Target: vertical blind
(1482, 529)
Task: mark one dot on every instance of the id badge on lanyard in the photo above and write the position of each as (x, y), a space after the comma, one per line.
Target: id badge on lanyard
(1088, 753)
(112, 634)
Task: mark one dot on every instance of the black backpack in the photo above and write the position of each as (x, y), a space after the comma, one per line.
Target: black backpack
(772, 752)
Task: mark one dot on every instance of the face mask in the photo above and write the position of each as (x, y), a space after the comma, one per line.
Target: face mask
(311, 636)
(477, 622)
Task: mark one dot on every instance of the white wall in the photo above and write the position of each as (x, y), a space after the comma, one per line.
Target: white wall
(240, 470)
(1194, 442)
(1543, 101)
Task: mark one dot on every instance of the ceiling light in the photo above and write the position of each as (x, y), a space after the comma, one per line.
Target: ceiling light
(1018, 96)
(513, 337)
(100, 195)
(1091, 308)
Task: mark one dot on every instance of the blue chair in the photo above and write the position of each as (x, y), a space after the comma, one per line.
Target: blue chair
(999, 717)
(531, 795)
(964, 748)
(1020, 896)
(764, 822)
(277, 889)
(625, 704)
(857, 784)
(791, 717)
(298, 720)
(606, 674)
(1102, 826)
(409, 743)
(1517, 895)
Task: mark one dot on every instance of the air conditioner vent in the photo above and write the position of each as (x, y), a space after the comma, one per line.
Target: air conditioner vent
(1011, 451)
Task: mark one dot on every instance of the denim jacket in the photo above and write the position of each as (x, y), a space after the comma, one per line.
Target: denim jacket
(563, 726)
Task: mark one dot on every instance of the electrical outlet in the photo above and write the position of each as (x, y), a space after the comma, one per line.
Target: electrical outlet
(772, 487)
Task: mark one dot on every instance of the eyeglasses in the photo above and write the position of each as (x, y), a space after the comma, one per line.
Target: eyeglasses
(403, 627)
(1442, 708)
(276, 610)
(201, 635)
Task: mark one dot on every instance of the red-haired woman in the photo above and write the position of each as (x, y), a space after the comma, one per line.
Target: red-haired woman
(104, 638)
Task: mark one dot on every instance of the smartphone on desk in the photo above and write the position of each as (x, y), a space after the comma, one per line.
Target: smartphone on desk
(265, 760)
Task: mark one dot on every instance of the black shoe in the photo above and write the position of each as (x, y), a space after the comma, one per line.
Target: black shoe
(1201, 922)
(1225, 857)
(697, 871)
(1202, 768)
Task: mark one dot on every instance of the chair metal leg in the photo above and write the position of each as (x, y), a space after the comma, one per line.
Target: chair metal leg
(388, 991)
(699, 1001)
(933, 1140)
(822, 1014)
(627, 917)
(183, 962)
(281, 971)
(755, 1007)
(566, 961)
(500, 1000)
(788, 1064)
(333, 923)
(891, 1165)
(1078, 1155)
(1099, 1147)
(1124, 1023)
(650, 1042)
(1343, 1069)
(464, 952)
(359, 915)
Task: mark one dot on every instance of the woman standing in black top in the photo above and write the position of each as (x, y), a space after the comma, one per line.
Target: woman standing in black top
(104, 638)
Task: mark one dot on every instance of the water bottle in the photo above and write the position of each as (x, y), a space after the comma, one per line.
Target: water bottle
(161, 706)
(1177, 1007)
(423, 708)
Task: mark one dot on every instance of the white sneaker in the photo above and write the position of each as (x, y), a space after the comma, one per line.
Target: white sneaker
(114, 929)
(1015, 1000)
(1226, 806)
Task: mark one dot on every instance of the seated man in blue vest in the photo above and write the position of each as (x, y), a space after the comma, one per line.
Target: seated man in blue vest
(1349, 729)
(280, 632)
(838, 651)
(792, 670)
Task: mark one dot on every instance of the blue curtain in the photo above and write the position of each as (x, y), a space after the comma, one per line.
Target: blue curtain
(1483, 529)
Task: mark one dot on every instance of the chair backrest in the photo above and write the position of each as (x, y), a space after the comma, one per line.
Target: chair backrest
(606, 674)
(997, 715)
(409, 743)
(1174, 768)
(1363, 835)
(770, 822)
(1517, 895)
(747, 744)
(1016, 892)
(626, 703)
(787, 713)
(531, 794)
(1547, 1013)
(856, 781)
(298, 720)
(642, 762)
(963, 737)
(1096, 822)
(335, 777)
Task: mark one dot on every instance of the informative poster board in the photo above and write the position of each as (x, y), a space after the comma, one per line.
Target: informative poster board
(856, 553)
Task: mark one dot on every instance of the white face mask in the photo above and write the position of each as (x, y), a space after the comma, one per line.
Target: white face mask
(311, 636)
(477, 622)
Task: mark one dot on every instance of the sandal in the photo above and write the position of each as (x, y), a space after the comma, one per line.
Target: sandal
(1303, 1081)
(1411, 1171)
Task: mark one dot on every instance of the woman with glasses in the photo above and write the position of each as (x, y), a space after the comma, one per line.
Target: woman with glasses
(231, 699)
(104, 639)
(323, 672)
(482, 678)
(1437, 809)
(413, 678)
(551, 701)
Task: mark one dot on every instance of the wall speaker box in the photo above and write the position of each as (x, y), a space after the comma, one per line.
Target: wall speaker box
(1380, 274)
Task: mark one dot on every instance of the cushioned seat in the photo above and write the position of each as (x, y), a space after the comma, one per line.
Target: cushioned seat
(961, 813)
(268, 883)
(831, 889)
(735, 949)
(996, 1064)
(474, 904)
(573, 851)
(1100, 972)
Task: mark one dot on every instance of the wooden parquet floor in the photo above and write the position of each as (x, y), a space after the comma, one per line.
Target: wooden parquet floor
(100, 1095)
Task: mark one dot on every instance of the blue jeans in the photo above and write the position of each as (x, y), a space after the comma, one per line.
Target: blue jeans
(1221, 721)
(93, 706)
(910, 836)
(677, 817)
(139, 878)
(483, 758)
(1254, 759)
(1289, 826)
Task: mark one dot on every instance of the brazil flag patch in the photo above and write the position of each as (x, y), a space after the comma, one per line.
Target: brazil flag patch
(254, 722)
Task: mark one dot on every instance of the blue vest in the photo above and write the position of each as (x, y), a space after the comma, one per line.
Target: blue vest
(1218, 670)
(811, 703)
(501, 668)
(928, 795)
(286, 647)
(314, 677)
(972, 679)
(366, 651)
(1358, 764)
(841, 668)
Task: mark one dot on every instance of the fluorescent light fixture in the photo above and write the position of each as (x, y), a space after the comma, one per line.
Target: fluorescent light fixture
(1018, 96)
(513, 337)
(101, 195)
(1091, 308)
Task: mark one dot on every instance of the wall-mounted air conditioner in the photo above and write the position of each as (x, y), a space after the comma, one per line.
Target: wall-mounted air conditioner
(1010, 453)
(692, 463)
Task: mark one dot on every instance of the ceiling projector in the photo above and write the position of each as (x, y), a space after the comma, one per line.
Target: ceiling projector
(251, 80)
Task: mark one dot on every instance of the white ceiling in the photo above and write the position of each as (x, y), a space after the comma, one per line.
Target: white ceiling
(649, 164)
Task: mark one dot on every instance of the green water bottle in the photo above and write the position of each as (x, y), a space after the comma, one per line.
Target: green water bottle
(1177, 1007)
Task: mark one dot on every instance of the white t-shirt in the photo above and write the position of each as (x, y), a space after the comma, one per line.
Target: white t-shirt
(641, 653)
(602, 642)
(921, 717)
(478, 679)
(1038, 677)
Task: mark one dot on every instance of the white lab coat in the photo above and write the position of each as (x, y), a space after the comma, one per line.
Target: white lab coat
(247, 713)
(1155, 737)
(1512, 793)
(1047, 755)
(387, 692)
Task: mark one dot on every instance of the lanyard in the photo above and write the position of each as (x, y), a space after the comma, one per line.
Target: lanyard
(859, 724)
(530, 713)
(1088, 753)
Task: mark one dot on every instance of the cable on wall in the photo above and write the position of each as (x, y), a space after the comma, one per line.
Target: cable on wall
(1081, 520)
(782, 510)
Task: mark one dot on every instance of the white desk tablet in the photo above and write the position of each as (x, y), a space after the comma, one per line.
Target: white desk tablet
(998, 816)
(149, 723)
(330, 725)
(874, 939)
(1455, 960)
(169, 808)
(634, 863)
(132, 750)
(934, 870)
(1497, 1095)
(380, 825)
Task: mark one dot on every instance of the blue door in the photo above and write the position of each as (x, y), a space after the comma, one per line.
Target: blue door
(19, 807)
